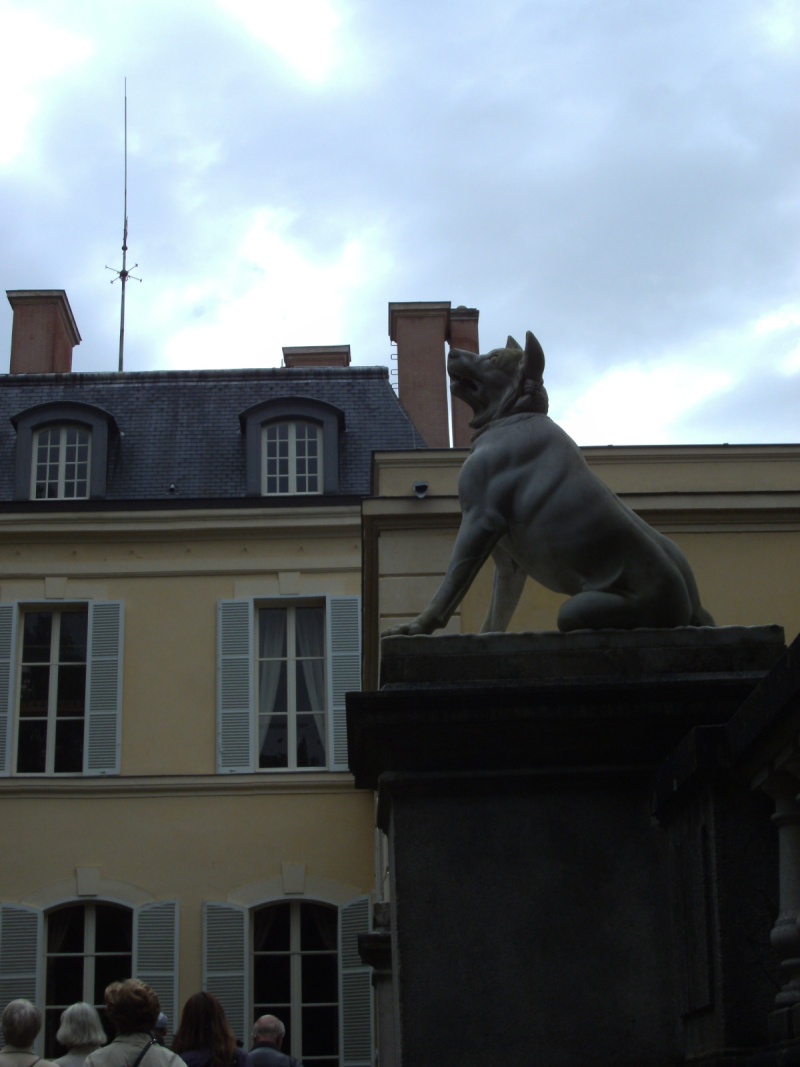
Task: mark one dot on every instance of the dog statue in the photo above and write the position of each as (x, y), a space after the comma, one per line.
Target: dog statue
(529, 499)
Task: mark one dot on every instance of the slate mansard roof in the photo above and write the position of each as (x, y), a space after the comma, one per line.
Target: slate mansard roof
(182, 428)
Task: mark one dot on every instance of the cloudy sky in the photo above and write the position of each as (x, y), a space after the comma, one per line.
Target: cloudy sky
(620, 176)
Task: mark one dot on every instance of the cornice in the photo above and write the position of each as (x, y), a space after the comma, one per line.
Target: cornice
(223, 785)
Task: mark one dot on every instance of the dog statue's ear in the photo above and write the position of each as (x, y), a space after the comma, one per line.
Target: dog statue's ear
(511, 343)
(534, 358)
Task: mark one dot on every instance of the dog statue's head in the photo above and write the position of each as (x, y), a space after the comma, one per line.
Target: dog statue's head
(506, 381)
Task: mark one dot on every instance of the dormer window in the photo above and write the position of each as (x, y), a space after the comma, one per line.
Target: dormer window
(62, 451)
(61, 463)
(292, 458)
(292, 447)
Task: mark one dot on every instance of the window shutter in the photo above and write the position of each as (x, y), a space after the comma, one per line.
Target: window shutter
(103, 689)
(344, 675)
(20, 937)
(235, 680)
(155, 952)
(356, 1023)
(225, 954)
(8, 626)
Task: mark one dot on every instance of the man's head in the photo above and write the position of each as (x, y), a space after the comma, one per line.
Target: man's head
(269, 1028)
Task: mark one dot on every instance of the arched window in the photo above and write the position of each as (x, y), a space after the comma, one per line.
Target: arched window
(88, 946)
(291, 459)
(61, 463)
(295, 976)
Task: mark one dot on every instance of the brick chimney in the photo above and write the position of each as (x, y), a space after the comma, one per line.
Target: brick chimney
(463, 334)
(420, 329)
(317, 356)
(43, 333)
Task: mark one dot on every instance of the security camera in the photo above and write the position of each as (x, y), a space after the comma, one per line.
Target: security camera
(421, 489)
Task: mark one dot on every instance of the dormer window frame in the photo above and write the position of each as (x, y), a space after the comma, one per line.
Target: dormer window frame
(329, 418)
(100, 424)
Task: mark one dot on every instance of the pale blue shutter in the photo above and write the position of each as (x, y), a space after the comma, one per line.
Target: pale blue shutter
(356, 1022)
(8, 644)
(343, 635)
(20, 938)
(225, 958)
(235, 680)
(103, 689)
(155, 952)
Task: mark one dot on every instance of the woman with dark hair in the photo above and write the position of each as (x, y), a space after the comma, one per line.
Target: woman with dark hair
(132, 1008)
(204, 1038)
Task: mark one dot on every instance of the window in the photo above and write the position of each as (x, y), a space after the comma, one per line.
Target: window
(62, 451)
(52, 692)
(295, 976)
(298, 960)
(284, 667)
(292, 460)
(88, 946)
(72, 952)
(60, 688)
(292, 447)
(60, 468)
(291, 687)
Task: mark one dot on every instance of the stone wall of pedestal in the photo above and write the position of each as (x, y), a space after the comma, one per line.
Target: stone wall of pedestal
(533, 891)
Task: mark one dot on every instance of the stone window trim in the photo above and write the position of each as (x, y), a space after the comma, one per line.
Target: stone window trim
(101, 424)
(292, 409)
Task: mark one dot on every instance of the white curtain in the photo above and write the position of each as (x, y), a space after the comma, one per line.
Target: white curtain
(311, 650)
(272, 649)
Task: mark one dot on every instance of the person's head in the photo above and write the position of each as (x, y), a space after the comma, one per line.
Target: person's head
(132, 1006)
(269, 1028)
(162, 1025)
(203, 1026)
(80, 1025)
(22, 1021)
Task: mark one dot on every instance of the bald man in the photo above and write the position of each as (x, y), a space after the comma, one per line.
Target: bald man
(268, 1035)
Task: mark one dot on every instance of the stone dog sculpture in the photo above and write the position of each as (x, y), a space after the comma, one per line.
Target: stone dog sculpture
(529, 499)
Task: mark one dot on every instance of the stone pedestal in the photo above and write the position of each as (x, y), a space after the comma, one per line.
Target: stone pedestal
(532, 900)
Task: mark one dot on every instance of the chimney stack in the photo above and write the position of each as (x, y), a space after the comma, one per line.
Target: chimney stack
(43, 333)
(463, 334)
(317, 356)
(420, 329)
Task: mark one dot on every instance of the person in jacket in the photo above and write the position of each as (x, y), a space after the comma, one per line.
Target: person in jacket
(21, 1022)
(203, 1038)
(132, 1009)
(268, 1035)
(80, 1032)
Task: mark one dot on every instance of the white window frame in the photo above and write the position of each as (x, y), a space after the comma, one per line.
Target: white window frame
(103, 700)
(292, 475)
(237, 711)
(62, 461)
(227, 972)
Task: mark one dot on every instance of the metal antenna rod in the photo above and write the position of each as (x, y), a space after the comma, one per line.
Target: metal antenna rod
(124, 274)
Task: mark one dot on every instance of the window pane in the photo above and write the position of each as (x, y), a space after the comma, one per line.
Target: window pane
(114, 929)
(271, 633)
(310, 683)
(72, 644)
(317, 927)
(109, 969)
(37, 636)
(71, 691)
(32, 746)
(320, 980)
(34, 691)
(320, 1031)
(310, 745)
(65, 929)
(64, 980)
(271, 980)
(271, 928)
(69, 746)
(274, 743)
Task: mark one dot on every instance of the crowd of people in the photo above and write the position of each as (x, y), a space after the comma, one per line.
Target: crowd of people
(203, 1037)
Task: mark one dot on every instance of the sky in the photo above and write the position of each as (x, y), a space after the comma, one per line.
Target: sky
(619, 176)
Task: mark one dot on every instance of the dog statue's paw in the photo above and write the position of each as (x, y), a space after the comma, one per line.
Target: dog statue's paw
(409, 629)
